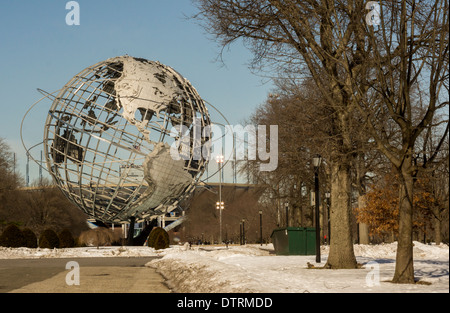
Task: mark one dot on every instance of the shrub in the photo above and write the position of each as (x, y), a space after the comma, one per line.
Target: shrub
(158, 239)
(12, 237)
(98, 237)
(29, 238)
(66, 239)
(49, 239)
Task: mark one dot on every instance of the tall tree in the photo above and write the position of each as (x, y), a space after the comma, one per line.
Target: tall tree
(440, 190)
(408, 56)
(303, 130)
(8, 178)
(9, 181)
(321, 39)
(388, 68)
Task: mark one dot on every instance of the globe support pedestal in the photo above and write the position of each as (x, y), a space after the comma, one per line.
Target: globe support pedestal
(130, 236)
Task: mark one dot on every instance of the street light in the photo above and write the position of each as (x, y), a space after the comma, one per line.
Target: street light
(243, 231)
(327, 196)
(286, 206)
(219, 160)
(240, 233)
(316, 162)
(260, 227)
(220, 206)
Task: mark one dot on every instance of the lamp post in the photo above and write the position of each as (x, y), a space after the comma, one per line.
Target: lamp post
(260, 227)
(243, 231)
(286, 206)
(327, 196)
(316, 162)
(240, 233)
(219, 205)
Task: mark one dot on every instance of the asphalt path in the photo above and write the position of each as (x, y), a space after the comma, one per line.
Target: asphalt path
(96, 275)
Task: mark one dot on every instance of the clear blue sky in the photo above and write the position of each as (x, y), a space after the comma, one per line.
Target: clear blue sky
(39, 50)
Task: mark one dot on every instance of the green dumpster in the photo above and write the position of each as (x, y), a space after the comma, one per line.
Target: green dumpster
(294, 241)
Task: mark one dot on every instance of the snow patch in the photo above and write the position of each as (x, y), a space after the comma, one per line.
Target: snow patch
(256, 269)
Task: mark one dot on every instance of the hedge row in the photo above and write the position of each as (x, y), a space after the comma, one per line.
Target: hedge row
(13, 237)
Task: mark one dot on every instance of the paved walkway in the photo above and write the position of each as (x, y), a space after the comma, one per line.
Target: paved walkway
(96, 275)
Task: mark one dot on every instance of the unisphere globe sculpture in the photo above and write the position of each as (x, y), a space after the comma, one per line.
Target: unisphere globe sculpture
(109, 139)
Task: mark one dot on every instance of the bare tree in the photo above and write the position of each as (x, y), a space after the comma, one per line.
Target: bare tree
(386, 71)
(9, 181)
(408, 58)
(304, 130)
(321, 39)
(8, 178)
(440, 191)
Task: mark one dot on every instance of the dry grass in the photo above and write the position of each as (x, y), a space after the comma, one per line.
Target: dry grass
(100, 237)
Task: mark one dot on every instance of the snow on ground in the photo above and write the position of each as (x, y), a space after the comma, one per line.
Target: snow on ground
(252, 268)
(67, 253)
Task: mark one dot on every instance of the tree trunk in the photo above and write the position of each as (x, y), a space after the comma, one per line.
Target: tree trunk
(404, 266)
(341, 254)
(361, 181)
(297, 216)
(437, 225)
(364, 234)
(363, 228)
